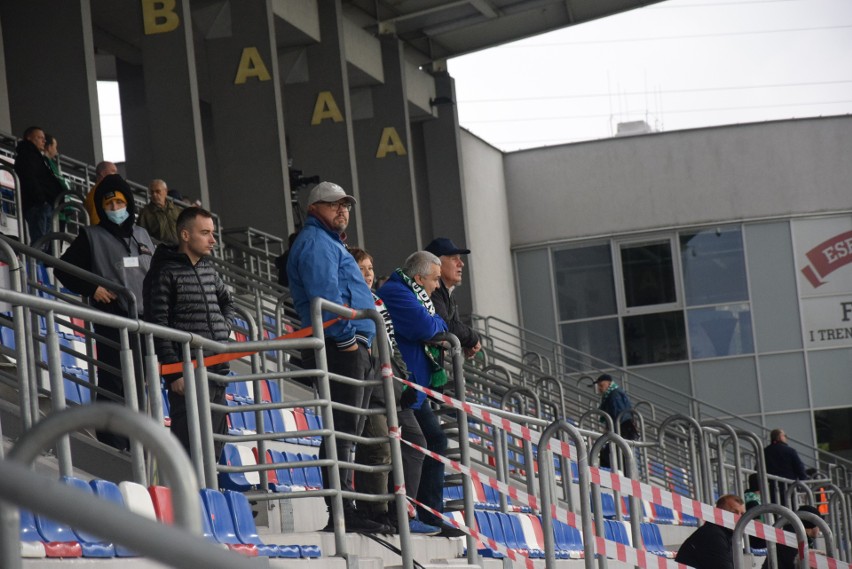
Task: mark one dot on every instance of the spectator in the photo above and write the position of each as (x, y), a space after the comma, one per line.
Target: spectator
(320, 266)
(407, 295)
(377, 426)
(614, 402)
(160, 215)
(102, 170)
(39, 187)
(787, 555)
(710, 547)
(445, 304)
(120, 251)
(782, 460)
(51, 155)
(183, 291)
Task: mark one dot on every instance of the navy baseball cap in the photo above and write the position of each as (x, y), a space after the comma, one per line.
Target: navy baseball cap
(603, 377)
(443, 246)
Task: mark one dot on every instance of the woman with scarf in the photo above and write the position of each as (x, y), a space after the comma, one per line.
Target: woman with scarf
(119, 250)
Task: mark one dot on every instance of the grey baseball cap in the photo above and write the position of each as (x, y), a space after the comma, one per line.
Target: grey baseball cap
(328, 192)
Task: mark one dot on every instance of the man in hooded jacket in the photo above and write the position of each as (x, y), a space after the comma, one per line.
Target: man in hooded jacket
(119, 250)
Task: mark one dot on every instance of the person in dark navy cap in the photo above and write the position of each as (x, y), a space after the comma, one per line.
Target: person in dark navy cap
(445, 304)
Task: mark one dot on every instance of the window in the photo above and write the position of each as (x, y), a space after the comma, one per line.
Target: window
(834, 431)
(598, 338)
(713, 266)
(648, 274)
(584, 282)
(720, 331)
(654, 338)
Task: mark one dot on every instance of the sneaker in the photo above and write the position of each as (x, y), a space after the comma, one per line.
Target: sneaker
(418, 527)
(450, 531)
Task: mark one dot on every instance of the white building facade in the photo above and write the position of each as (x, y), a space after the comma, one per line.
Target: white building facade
(716, 262)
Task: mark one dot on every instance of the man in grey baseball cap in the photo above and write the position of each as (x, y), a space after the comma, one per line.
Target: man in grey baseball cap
(329, 192)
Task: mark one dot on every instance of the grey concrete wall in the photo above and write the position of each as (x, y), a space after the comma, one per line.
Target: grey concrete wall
(493, 288)
(665, 179)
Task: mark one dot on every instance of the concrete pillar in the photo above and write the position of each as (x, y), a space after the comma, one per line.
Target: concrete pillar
(319, 118)
(446, 181)
(385, 166)
(160, 102)
(249, 157)
(50, 53)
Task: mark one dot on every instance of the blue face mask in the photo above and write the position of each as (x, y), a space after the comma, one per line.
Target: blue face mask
(118, 216)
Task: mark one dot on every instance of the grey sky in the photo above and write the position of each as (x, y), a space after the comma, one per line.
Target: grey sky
(678, 64)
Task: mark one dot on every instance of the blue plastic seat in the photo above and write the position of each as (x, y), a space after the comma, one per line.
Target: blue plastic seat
(607, 506)
(653, 540)
(246, 531)
(663, 515)
(233, 480)
(93, 546)
(222, 524)
(571, 540)
(30, 532)
(483, 521)
(313, 475)
(109, 491)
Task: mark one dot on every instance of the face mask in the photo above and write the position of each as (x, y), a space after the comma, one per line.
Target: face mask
(118, 216)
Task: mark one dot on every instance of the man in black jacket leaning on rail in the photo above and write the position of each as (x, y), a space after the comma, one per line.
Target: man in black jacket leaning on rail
(183, 291)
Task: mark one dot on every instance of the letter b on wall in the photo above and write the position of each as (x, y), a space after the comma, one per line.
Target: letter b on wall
(159, 16)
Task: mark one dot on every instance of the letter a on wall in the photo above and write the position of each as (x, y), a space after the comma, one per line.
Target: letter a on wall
(159, 16)
(326, 108)
(251, 65)
(390, 142)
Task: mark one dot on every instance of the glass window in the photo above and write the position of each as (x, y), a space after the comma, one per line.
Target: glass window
(720, 331)
(598, 338)
(648, 274)
(584, 282)
(713, 266)
(832, 428)
(654, 338)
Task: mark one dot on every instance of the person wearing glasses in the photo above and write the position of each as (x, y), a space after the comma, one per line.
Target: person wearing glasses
(319, 265)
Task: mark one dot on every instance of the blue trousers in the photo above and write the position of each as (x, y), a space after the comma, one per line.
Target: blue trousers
(431, 490)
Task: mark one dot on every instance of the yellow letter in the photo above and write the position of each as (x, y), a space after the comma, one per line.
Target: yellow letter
(390, 142)
(251, 65)
(326, 108)
(159, 16)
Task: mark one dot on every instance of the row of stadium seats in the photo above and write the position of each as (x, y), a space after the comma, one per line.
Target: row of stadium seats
(288, 478)
(227, 519)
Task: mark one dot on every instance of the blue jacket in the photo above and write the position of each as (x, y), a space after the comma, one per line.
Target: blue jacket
(412, 326)
(320, 266)
(616, 402)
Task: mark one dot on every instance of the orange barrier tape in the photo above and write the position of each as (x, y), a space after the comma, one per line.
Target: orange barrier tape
(166, 369)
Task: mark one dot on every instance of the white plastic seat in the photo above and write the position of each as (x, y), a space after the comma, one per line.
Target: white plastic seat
(137, 499)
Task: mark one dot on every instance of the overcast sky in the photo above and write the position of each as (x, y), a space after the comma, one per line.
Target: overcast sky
(677, 64)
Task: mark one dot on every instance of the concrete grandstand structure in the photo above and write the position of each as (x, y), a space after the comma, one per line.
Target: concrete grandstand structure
(690, 264)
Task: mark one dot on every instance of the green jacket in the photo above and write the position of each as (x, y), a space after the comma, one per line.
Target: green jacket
(161, 222)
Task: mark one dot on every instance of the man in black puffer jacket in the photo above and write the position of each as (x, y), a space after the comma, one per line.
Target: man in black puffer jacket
(183, 291)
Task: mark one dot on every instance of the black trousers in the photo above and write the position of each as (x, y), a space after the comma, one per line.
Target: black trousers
(112, 383)
(180, 425)
(358, 365)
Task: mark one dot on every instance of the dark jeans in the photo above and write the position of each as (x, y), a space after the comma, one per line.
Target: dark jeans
(112, 383)
(355, 364)
(431, 490)
(180, 425)
(412, 461)
(38, 221)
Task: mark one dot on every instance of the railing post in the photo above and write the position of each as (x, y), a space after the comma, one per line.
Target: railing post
(57, 391)
(131, 402)
(192, 420)
(545, 469)
(526, 445)
(783, 512)
(205, 420)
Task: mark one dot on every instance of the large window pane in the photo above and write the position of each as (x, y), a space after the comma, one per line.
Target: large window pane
(598, 338)
(584, 282)
(648, 274)
(834, 431)
(713, 266)
(720, 331)
(654, 338)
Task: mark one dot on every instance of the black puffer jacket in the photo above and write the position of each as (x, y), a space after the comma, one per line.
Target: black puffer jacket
(38, 184)
(188, 298)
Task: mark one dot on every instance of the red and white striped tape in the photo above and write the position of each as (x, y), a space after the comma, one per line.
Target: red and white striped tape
(617, 482)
